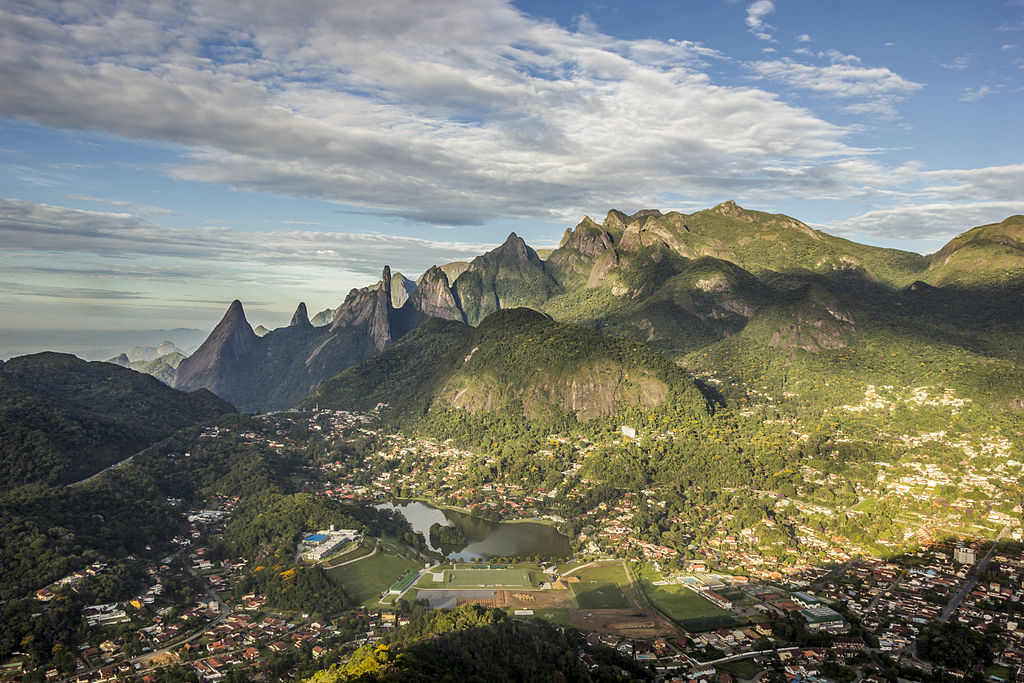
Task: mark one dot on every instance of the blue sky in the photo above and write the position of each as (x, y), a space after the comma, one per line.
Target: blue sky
(161, 159)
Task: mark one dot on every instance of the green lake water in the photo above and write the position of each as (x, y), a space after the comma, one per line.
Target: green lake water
(486, 539)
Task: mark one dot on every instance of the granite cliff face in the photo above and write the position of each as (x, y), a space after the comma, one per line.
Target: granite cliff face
(208, 368)
(433, 297)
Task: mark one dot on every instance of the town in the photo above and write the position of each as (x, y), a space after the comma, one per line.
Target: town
(732, 602)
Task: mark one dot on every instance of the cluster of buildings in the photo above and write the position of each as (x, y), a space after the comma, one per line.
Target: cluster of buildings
(318, 545)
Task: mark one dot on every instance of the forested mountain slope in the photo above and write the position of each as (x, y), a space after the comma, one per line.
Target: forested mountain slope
(63, 419)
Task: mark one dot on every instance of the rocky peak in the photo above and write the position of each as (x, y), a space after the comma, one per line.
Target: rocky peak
(121, 360)
(401, 288)
(517, 248)
(589, 239)
(615, 220)
(433, 297)
(730, 209)
(300, 317)
(371, 307)
(385, 281)
(231, 339)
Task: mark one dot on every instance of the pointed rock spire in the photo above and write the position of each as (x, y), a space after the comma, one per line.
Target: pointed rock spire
(380, 322)
(514, 246)
(230, 340)
(300, 317)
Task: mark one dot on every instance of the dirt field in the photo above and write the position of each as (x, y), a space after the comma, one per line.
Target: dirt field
(624, 622)
(521, 599)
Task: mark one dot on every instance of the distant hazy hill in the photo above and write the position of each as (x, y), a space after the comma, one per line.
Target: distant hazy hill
(62, 418)
(162, 366)
(516, 361)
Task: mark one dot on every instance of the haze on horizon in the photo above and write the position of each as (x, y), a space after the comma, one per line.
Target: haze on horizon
(159, 163)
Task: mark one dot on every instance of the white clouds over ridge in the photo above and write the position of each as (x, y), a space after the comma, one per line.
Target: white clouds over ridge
(454, 113)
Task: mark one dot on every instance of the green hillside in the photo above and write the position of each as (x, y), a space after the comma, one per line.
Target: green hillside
(511, 275)
(824, 348)
(987, 256)
(517, 362)
(63, 419)
(474, 643)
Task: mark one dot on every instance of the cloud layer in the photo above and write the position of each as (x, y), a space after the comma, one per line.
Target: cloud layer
(449, 113)
(27, 228)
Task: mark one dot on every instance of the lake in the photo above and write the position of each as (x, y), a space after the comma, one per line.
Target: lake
(486, 539)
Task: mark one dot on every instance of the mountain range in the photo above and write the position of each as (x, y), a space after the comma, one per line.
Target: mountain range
(703, 289)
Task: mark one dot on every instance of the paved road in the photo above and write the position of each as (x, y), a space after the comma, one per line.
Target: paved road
(369, 554)
(881, 594)
(972, 580)
(105, 469)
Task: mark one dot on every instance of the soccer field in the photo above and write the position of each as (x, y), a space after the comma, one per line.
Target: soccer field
(599, 595)
(463, 577)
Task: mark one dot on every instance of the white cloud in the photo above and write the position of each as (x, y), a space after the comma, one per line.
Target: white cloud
(975, 94)
(959, 63)
(860, 89)
(440, 112)
(756, 24)
(1017, 25)
(992, 183)
(948, 202)
(142, 209)
(936, 223)
(803, 38)
(27, 228)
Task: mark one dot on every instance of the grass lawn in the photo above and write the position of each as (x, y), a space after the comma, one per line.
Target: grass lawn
(366, 579)
(599, 595)
(998, 672)
(681, 604)
(741, 668)
(610, 572)
(462, 577)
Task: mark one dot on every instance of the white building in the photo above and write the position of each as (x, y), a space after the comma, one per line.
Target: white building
(316, 547)
(965, 555)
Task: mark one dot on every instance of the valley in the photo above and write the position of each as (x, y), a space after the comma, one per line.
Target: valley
(667, 447)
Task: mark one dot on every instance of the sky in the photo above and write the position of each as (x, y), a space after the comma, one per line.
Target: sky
(160, 159)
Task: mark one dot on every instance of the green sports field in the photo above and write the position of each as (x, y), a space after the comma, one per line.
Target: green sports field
(464, 577)
(684, 606)
(365, 579)
(599, 595)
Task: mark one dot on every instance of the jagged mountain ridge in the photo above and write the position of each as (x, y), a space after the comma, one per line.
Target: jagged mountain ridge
(677, 282)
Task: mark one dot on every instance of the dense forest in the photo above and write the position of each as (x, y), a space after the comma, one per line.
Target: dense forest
(474, 643)
(63, 419)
